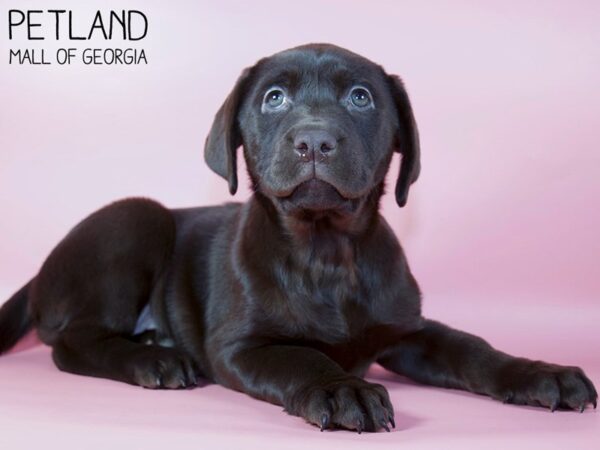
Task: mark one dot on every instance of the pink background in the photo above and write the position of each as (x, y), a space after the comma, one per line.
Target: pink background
(501, 229)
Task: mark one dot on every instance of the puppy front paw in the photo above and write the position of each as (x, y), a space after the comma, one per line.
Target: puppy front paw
(350, 403)
(536, 383)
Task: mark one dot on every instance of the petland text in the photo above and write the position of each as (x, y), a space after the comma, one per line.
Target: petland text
(60, 25)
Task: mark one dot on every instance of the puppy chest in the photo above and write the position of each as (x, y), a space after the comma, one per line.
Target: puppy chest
(334, 314)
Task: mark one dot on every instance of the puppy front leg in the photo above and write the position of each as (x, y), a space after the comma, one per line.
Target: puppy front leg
(441, 356)
(308, 384)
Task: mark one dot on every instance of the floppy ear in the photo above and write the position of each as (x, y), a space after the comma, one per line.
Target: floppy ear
(407, 140)
(224, 138)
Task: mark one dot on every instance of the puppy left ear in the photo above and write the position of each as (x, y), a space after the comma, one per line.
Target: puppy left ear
(407, 140)
(224, 138)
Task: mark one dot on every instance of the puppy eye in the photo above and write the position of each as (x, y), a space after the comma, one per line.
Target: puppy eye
(274, 99)
(361, 97)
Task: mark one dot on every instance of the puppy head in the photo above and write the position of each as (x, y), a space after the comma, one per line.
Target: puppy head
(318, 125)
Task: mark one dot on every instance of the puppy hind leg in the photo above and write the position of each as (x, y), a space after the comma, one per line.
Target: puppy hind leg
(103, 353)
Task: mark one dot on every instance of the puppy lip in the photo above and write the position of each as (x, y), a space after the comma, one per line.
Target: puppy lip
(316, 184)
(311, 184)
(315, 195)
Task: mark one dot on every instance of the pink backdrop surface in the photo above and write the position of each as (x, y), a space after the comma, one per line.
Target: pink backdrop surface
(501, 230)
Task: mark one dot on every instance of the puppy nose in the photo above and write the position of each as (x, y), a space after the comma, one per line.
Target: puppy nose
(307, 143)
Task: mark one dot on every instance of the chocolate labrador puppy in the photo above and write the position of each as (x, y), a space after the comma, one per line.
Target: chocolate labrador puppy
(290, 296)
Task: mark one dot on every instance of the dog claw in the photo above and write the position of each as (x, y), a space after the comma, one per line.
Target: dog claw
(324, 422)
(385, 426)
(392, 422)
(595, 403)
(582, 408)
(554, 406)
(359, 427)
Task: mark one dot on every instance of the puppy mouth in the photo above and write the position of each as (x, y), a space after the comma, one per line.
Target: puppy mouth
(315, 195)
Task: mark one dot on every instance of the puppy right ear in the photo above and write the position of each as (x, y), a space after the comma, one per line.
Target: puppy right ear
(224, 138)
